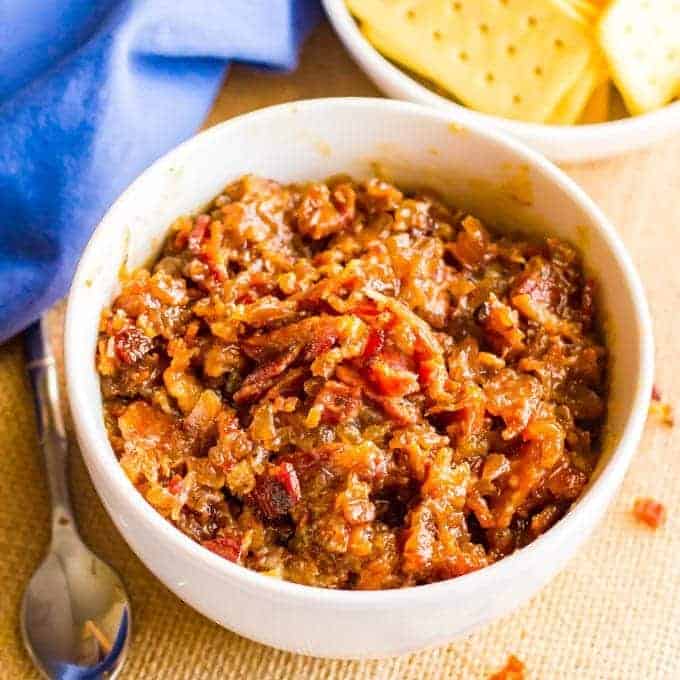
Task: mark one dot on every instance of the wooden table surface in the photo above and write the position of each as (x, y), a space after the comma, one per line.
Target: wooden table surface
(614, 613)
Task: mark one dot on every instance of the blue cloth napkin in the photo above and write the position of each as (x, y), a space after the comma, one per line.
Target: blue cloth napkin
(91, 92)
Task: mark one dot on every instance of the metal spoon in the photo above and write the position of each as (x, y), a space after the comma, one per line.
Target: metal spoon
(75, 614)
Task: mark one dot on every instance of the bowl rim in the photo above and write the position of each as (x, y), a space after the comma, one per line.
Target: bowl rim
(97, 451)
(586, 135)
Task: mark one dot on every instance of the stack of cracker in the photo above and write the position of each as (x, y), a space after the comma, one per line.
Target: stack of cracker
(543, 61)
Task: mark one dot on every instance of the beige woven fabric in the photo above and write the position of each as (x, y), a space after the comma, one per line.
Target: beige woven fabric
(614, 613)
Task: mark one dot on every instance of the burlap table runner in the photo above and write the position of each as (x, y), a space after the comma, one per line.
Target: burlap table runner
(614, 613)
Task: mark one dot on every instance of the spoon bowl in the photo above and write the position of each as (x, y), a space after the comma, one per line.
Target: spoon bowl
(75, 614)
(75, 611)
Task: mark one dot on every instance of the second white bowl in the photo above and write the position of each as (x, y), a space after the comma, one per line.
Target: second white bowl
(559, 142)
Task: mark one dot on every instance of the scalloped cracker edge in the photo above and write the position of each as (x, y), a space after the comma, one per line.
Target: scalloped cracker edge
(641, 41)
(517, 59)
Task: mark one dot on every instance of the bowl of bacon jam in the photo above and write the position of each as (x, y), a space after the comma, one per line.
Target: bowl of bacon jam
(353, 378)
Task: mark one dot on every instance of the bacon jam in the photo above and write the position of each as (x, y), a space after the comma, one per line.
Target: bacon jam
(649, 512)
(348, 385)
(513, 670)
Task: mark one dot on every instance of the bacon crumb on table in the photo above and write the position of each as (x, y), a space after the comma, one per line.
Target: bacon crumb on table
(649, 512)
(513, 670)
(661, 410)
(347, 385)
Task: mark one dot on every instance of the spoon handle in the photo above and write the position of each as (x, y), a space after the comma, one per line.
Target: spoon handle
(42, 371)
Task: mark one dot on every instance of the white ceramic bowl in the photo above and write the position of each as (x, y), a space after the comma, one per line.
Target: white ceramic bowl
(558, 142)
(495, 177)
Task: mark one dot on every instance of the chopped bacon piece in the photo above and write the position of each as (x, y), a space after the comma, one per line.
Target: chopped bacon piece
(649, 512)
(131, 345)
(197, 234)
(501, 324)
(285, 473)
(316, 332)
(471, 245)
(375, 342)
(319, 345)
(149, 435)
(277, 491)
(538, 282)
(427, 370)
(228, 546)
(402, 411)
(366, 309)
(513, 670)
(266, 310)
(389, 374)
(567, 481)
(175, 484)
(338, 402)
(428, 345)
(379, 195)
(264, 377)
(543, 520)
(514, 397)
(322, 213)
(477, 503)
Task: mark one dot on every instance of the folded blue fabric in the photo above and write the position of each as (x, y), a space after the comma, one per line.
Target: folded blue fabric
(91, 92)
